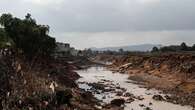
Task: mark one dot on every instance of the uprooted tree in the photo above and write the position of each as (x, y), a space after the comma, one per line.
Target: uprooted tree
(27, 35)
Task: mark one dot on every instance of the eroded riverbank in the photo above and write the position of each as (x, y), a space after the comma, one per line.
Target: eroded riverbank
(107, 86)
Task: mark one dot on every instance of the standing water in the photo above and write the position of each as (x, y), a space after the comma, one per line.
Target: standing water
(116, 85)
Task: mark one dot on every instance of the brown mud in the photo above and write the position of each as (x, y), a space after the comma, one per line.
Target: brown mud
(172, 73)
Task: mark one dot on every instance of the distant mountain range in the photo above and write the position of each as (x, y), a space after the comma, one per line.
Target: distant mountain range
(142, 47)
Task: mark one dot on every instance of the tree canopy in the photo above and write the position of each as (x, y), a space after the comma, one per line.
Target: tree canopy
(175, 48)
(155, 49)
(27, 35)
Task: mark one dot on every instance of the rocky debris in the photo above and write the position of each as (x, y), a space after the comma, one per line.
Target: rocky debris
(86, 95)
(97, 86)
(139, 98)
(104, 80)
(183, 99)
(64, 75)
(170, 72)
(118, 102)
(111, 107)
(119, 93)
(128, 95)
(64, 97)
(47, 84)
(124, 67)
(141, 105)
(129, 100)
(158, 98)
(109, 89)
(147, 108)
(167, 97)
(104, 87)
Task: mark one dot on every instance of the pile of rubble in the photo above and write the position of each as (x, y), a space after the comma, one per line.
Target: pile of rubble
(46, 84)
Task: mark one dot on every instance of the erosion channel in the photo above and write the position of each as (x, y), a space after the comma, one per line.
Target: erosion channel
(107, 86)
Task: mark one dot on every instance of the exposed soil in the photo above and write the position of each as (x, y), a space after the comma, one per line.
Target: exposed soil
(49, 84)
(41, 84)
(172, 73)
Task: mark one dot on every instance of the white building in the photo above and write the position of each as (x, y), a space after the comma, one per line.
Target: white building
(64, 49)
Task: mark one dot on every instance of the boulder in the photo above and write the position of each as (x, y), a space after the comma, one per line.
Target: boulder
(158, 98)
(119, 93)
(147, 108)
(129, 100)
(97, 86)
(118, 102)
(128, 94)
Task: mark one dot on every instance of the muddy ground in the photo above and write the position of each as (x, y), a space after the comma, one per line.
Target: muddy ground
(49, 84)
(41, 84)
(172, 73)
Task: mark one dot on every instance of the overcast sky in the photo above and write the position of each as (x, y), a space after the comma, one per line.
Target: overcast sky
(102, 23)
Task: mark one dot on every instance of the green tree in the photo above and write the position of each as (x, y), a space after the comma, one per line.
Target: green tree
(120, 50)
(31, 38)
(155, 49)
(5, 20)
(183, 46)
(193, 47)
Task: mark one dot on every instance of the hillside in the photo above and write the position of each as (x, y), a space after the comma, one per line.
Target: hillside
(142, 47)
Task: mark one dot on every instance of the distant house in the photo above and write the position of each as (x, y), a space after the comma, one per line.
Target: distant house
(74, 52)
(64, 49)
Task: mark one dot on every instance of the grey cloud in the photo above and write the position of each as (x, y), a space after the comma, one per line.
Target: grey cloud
(108, 15)
(87, 23)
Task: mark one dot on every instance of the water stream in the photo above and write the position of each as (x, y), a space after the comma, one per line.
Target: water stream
(119, 83)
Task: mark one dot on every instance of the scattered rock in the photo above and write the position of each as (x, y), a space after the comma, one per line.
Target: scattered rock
(141, 105)
(97, 86)
(140, 98)
(168, 98)
(158, 98)
(118, 102)
(119, 93)
(148, 94)
(128, 94)
(147, 108)
(129, 100)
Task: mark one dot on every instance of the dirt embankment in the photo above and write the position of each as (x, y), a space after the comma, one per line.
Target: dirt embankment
(106, 58)
(172, 73)
(43, 84)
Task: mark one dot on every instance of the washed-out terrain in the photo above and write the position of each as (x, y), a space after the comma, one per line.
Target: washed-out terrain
(107, 86)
